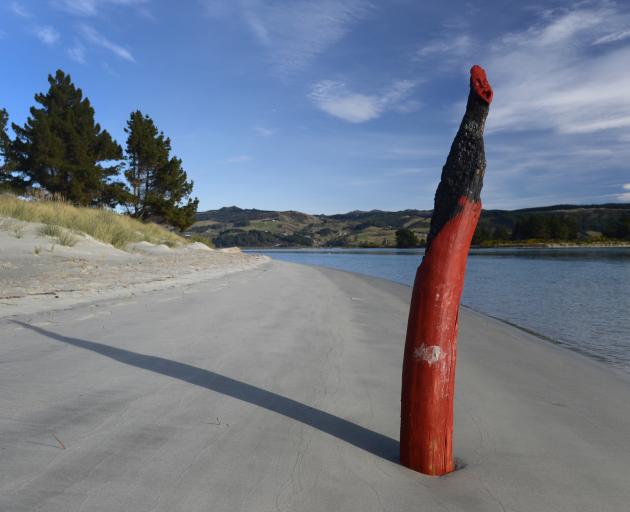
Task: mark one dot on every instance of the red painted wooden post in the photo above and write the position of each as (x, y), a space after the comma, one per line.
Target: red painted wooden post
(428, 380)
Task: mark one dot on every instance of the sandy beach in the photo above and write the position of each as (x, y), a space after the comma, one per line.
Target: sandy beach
(37, 273)
(278, 388)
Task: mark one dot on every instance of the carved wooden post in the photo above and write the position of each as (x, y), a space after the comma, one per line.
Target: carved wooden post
(428, 380)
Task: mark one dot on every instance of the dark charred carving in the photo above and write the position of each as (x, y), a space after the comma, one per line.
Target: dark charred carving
(462, 175)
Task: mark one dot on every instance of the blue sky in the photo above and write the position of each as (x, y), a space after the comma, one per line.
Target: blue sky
(327, 106)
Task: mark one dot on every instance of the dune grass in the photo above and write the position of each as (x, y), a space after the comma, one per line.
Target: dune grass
(104, 225)
(61, 235)
(202, 239)
(13, 226)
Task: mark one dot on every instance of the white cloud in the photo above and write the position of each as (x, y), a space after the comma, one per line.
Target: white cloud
(19, 10)
(337, 100)
(549, 77)
(263, 132)
(613, 38)
(294, 33)
(47, 34)
(97, 39)
(569, 25)
(407, 107)
(77, 53)
(238, 159)
(458, 45)
(625, 196)
(92, 7)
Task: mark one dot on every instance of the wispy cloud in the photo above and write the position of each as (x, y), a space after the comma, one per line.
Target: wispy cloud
(613, 38)
(336, 99)
(263, 131)
(550, 77)
(19, 10)
(560, 120)
(457, 45)
(97, 39)
(46, 34)
(238, 159)
(92, 7)
(541, 168)
(294, 33)
(77, 53)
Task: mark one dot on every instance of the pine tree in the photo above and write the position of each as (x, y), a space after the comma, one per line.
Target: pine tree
(159, 186)
(146, 152)
(5, 144)
(171, 199)
(9, 181)
(62, 149)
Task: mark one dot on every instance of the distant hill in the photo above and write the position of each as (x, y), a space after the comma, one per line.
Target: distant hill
(232, 225)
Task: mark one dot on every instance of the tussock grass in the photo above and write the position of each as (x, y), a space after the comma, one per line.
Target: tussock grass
(50, 230)
(104, 225)
(202, 239)
(63, 236)
(11, 225)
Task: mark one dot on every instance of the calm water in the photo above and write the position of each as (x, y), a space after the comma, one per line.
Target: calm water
(580, 298)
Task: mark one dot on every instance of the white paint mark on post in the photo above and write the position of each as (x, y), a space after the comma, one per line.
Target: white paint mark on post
(430, 354)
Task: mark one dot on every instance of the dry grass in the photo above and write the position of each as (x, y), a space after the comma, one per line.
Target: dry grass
(61, 235)
(202, 239)
(104, 225)
(13, 226)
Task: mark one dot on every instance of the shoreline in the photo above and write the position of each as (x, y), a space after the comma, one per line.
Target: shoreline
(548, 339)
(34, 303)
(588, 356)
(550, 245)
(591, 356)
(556, 245)
(67, 299)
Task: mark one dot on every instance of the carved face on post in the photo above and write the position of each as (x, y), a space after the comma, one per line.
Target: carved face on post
(479, 83)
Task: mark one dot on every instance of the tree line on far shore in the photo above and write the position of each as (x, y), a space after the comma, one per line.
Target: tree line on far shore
(550, 227)
(62, 150)
(534, 227)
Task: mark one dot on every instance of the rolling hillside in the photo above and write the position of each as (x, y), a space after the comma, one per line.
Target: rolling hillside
(230, 226)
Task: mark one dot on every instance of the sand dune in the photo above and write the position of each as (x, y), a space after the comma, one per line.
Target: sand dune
(37, 272)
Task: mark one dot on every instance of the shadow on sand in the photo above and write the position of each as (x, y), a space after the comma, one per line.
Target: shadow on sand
(351, 433)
